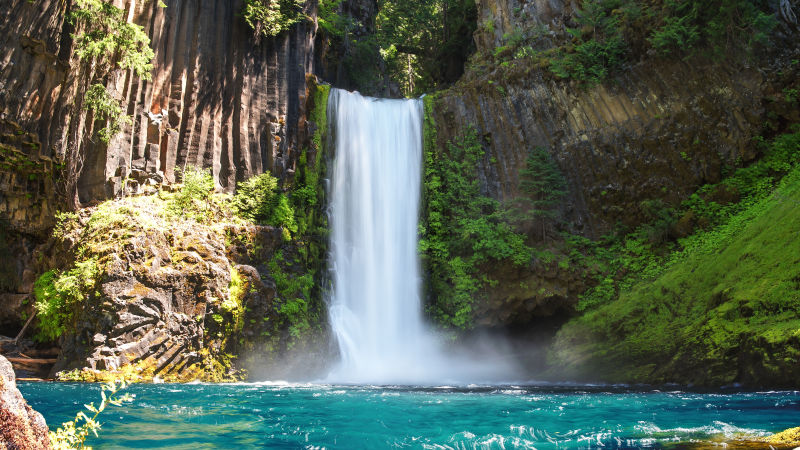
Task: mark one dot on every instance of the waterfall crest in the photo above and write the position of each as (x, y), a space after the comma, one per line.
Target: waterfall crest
(375, 307)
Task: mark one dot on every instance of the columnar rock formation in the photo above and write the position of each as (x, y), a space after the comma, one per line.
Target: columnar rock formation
(220, 98)
(655, 131)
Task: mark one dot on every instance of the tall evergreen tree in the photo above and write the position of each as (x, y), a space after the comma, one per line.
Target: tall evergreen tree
(542, 186)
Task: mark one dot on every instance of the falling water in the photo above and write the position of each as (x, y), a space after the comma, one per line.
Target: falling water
(375, 307)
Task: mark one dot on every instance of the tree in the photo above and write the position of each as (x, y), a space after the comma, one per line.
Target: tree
(272, 17)
(104, 41)
(542, 186)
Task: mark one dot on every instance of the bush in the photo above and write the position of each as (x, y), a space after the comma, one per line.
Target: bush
(58, 294)
(192, 199)
(272, 17)
(461, 229)
(600, 47)
(260, 201)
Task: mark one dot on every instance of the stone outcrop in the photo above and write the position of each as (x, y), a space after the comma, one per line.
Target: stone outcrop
(178, 297)
(21, 428)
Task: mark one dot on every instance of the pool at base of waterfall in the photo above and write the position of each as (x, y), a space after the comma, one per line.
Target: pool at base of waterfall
(280, 415)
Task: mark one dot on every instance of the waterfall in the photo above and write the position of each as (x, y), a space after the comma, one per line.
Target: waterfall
(375, 307)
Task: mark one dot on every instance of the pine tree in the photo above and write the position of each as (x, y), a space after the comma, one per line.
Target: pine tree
(542, 186)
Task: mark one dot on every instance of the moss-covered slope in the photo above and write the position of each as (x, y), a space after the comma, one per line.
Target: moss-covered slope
(728, 313)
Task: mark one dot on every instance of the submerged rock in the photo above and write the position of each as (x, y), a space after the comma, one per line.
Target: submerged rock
(21, 427)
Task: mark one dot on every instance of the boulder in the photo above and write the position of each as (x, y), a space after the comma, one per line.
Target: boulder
(20, 426)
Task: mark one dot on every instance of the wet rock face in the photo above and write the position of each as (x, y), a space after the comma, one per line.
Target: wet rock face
(219, 97)
(21, 427)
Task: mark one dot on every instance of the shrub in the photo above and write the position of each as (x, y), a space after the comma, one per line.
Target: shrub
(260, 201)
(253, 198)
(272, 17)
(192, 199)
(57, 295)
(72, 435)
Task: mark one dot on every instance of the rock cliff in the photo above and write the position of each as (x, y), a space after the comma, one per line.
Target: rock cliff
(655, 131)
(219, 98)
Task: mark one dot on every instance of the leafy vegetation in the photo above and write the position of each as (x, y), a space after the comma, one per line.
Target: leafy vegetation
(605, 35)
(72, 435)
(542, 187)
(416, 45)
(57, 294)
(294, 296)
(260, 201)
(106, 109)
(233, 305)
(682, 25)
(193, 197)
(461, 229)
(617, 262)
(727, 313)
(272, 17)
(600, 46)
(107, 41)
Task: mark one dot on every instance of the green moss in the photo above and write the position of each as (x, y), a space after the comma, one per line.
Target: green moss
(461, 230)
(233, 304)
(727, 311)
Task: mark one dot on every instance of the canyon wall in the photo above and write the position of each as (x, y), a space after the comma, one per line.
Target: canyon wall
(220, 98)
(656, 130)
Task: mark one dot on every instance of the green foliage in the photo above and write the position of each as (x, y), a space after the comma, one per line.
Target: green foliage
(106, 109)
(600, 46)
(542, 187)
(719, 24)
(734, 296)
(253, 198)
(419, 45)
(58, 294)
(272, 17)
(609, 32)
(72, 435)
(259, 200)
(425, 43)
(294, 294)
(233, 304)
(310, 169)
(461, 229)
(646, 252)
(107, 41)
(192, 200)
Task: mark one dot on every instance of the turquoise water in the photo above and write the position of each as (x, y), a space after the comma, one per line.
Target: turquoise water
(204, 416)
